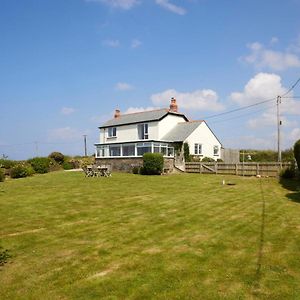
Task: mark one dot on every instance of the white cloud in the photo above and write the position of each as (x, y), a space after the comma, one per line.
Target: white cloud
(132, 110)
(294, 135)
(262, 57)
(171, 7)
(123, 86)
(261, 87)
(65, 134)
(111, 43)
(269, 118)
(199, 100)
(264, 86)
(135, 43)
(67, 110)
(122, 4)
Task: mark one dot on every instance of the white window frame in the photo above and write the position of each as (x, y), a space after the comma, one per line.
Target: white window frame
(216, 150)
(112, 132)
(144, 130)
(198, 149)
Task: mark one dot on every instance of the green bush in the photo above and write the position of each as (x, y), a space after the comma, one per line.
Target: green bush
(40, 164)
(297, 153)
(2, 175)
(186, 152)
(19, 171)
(57, 157)
(6, 163)
(288, 173)
(67, 165)
(207, 159)
(135, 170)
(153, 164)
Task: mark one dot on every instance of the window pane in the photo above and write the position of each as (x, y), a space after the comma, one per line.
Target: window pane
(216, 150)
(156, 149)
(163, 150)
(112, 131)
(170, 151)
(128, 150)
(140, 131)
(196, 149)
(142, 150)
(114, 150)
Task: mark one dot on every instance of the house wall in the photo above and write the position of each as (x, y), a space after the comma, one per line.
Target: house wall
(126, 164)
(168, 123)
(128, 133)
(203, 135)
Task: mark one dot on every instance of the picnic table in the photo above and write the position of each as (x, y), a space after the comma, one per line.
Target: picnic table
(96, 171)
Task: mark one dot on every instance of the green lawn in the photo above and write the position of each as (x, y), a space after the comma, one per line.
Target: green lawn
(149, 237)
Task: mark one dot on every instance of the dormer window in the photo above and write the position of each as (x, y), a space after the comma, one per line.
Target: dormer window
(143, 131)
(112, 132)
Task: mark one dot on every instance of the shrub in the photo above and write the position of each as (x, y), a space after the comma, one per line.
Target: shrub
(288, 173)
(186, 152)
(6, 163)
(40, 164)
(67, 165)
(297, 153)
(207, 159)
(86, 161)
(2, 175)
(57, 157)
(135, 170)
(54, 166)
(153, 164)
(19, 171)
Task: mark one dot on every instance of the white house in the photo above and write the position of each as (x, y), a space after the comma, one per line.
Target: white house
(129, 136)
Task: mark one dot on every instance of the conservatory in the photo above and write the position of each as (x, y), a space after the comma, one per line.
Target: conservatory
(133, 149)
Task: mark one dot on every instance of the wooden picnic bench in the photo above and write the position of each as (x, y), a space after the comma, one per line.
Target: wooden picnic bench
(96, 171)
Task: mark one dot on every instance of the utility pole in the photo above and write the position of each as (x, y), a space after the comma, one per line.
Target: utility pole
(278, 128)
(85, 150)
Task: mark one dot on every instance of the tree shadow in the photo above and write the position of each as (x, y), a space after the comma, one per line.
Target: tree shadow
(292, 185)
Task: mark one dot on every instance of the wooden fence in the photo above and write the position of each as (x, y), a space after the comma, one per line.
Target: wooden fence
(271, 169)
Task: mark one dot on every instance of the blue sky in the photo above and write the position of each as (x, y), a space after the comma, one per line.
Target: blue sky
(65, 65)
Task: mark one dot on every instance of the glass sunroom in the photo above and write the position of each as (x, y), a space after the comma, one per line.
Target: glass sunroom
(134, 149)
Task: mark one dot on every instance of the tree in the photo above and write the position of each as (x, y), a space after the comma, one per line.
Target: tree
(297, 153)
(186, 152)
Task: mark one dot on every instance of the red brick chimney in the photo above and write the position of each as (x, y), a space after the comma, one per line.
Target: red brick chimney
(173, 105)
(117, 113)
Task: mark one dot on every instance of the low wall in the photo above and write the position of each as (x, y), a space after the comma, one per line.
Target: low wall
(126, 164)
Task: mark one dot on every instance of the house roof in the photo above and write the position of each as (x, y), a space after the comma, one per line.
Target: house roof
(145, 116)
(181, 131)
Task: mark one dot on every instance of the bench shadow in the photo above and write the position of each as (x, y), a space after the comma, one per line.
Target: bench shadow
(292, 185)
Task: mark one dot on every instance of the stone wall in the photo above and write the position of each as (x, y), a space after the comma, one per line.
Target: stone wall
(126, 164)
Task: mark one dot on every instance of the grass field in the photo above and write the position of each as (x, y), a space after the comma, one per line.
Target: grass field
(149, 237)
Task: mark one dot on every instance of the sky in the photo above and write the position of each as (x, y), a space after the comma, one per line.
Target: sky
(66, 65)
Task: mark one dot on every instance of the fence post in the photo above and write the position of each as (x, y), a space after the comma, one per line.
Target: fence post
(200, 168)
(236, 169)
(257, 169)
(216, 168)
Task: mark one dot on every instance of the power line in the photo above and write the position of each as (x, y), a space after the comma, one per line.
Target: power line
(294, 97)
(291, 88)
(240, 108)
(243, 115)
